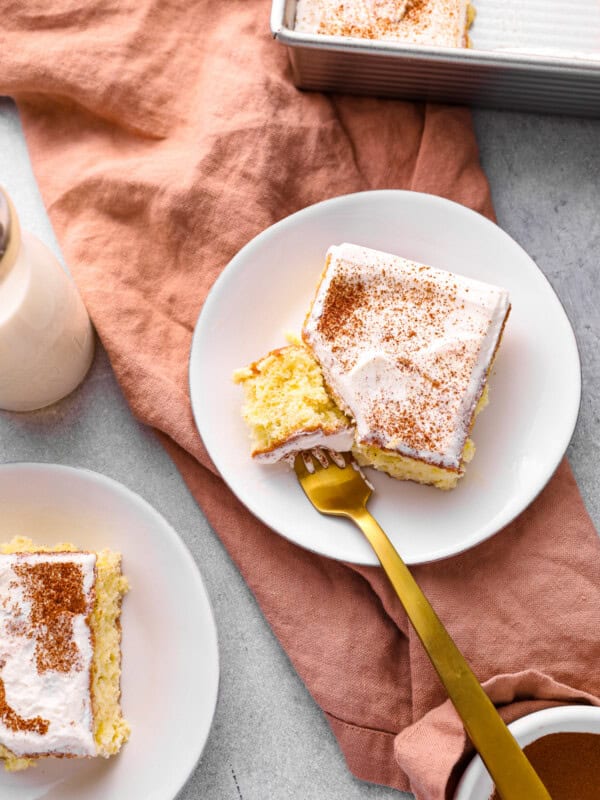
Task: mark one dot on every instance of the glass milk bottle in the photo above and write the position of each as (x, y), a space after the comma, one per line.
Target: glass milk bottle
(46, 338)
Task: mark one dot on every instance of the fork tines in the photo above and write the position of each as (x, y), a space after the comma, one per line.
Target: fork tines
(323, 457)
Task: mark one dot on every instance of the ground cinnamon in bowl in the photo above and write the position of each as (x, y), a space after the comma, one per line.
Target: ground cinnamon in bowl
(568, 764)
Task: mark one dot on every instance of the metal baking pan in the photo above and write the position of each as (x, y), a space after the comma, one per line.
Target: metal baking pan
(541, 55)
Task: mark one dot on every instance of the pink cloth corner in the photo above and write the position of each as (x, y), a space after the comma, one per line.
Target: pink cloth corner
(435, 750)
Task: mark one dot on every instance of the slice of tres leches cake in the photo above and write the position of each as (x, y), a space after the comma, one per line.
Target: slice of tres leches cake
(60, 653)
(405, 351)
(287, 407)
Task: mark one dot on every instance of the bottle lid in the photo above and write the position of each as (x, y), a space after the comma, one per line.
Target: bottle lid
(10, 233)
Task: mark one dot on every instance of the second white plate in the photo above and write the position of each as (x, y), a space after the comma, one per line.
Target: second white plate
(534, 389)
(170, 670)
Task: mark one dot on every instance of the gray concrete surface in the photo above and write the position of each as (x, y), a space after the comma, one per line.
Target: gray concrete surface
(269, 741)
(545, 177)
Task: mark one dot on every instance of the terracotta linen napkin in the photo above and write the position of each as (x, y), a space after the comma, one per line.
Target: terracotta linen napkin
(164, 135)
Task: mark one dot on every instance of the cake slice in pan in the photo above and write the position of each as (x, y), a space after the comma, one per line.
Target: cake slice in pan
(405, 352)
(437, 23)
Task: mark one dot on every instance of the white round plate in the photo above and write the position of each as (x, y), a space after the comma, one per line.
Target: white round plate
(170, 667)
(520, 438)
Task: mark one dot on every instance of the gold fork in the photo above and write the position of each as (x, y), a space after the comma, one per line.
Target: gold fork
(343, 491)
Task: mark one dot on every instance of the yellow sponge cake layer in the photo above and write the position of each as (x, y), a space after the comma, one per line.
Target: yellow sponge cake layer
(288, 408)
(404, 468)
(110, 729)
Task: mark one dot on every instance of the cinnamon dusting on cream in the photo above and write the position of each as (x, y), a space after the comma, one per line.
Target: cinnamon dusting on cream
(46, 649)
(405, 349)
(16, 723)
(432, 22)
(55, 591)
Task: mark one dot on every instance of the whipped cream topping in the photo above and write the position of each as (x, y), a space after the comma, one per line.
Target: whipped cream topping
(46, 653)
(340, 442)
(434, 22)
(405, 349)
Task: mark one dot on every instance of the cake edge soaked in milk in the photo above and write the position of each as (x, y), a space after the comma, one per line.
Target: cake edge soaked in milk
(287, 407)
(438, 23)
(402, 462)
(93, 633)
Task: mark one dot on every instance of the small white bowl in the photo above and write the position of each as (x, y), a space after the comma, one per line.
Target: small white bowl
(476, 783)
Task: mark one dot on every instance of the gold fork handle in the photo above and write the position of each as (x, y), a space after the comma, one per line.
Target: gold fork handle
(512, 773)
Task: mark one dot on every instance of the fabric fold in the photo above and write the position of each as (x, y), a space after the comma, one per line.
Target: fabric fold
(164, 136)
(433, 771)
